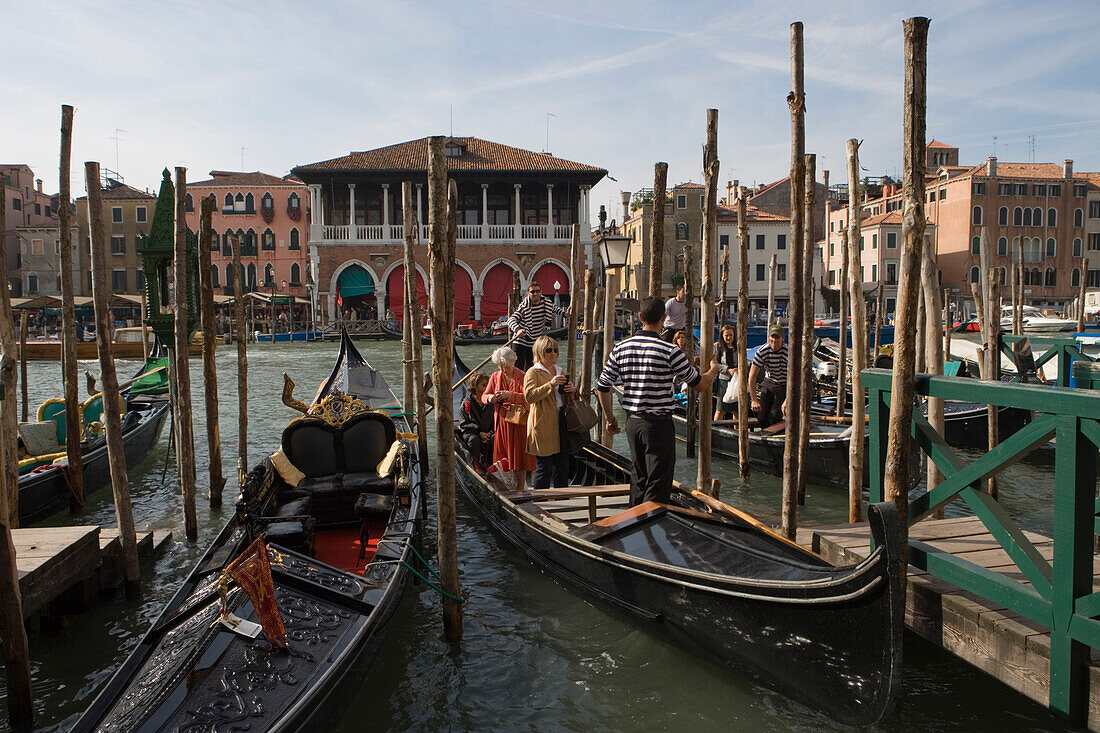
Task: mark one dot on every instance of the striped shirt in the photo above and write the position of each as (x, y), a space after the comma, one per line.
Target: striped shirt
(648, 368)
(772, 363)
(535, 319)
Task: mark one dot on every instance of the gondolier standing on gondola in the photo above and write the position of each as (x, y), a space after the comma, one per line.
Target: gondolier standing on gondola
(533, 318)
(648, 367)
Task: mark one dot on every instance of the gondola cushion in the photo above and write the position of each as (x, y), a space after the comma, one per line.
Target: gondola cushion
(297, 508)
(291, 535)
(373, 505)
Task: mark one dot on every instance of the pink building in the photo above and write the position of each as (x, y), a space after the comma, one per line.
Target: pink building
(26, 205)
(270, 216)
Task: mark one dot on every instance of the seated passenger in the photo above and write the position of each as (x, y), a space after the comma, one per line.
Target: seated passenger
(475, 427)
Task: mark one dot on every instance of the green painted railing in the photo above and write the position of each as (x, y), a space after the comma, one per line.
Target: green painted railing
(1060, 594)
(1064, 350)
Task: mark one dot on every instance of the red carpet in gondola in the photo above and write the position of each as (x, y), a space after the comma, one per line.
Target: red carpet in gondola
(340, 547)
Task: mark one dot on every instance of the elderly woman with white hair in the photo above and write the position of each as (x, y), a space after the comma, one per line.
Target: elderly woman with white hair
(505, 390)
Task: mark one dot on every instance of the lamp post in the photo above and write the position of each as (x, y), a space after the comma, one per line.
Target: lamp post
(613, 248)
(557, 302)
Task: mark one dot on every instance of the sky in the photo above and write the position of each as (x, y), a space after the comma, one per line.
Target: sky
(617, 84)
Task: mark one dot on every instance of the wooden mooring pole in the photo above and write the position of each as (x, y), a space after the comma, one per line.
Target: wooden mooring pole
(947, 325)
(209, 366)
(771, 291)
(657, 230)
(575, 305)
(23, 363)
(912, 228)
(69, 374)
(112, 417)
(842, 355)
(588, 339)
(856, 452)
(743, 397)
(442, 214)
(991, 336)
(185, 436)
(796, 100)
(708, 267)
(242, 360)
(933, 336)
(1083, 269)
(419, 393)
(611, 291)
(410, 377)
(880, 315)
(807, 304)
(17, 665)
(691, 410)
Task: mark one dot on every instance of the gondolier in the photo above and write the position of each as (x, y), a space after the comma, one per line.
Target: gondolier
(770, 363)
(676, 314)
(534, 316)
(648, 367)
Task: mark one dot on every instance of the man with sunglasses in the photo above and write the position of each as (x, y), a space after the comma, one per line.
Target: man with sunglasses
(533, 318)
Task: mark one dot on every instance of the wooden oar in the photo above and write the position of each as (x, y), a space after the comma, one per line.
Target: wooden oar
(473, 371)
(125, 385)
(723, 508)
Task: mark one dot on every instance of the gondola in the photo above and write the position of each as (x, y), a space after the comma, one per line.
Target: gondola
(717, 580)
(43, 479)
(393, 332)
(340, 542)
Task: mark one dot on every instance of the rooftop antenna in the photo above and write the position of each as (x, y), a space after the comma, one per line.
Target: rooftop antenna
(242, 159)
(452, 108)
(1031, 147)
(548, 116)
(994, 146)
(116, 138)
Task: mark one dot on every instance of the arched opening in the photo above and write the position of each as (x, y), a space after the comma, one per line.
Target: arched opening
(229, 276)
(973, 274)
(395, 292)
(267, 202)
(228, 202)
(250, 277)
(977, 216)
(189, 202)
(295, 274)
(464, 295)
(250, 204)
(1002, 216)
(1052, 217)
(1075, 278)
(269, 275)
(1027, 217)
(1017, 216)
(495, 288)
(214, 275)
(295, 243)
(546, 275)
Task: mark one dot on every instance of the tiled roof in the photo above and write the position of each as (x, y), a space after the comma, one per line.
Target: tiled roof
(729, 213)
(938, 144)
(768, 187)
(1020, 170)
(479, 155)
(687, 184)
(122, 192)
(240, 179)
(890, 217)
(1094, 179)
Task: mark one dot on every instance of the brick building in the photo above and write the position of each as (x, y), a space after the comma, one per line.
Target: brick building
(127, 213)
(270, 217)
(27, 206)
(516, 211)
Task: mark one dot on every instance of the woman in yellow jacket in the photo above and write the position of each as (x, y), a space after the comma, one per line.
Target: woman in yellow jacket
(541, 386)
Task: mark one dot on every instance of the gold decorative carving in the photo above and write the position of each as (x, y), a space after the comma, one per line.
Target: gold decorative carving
(288, 395)
(337, 408)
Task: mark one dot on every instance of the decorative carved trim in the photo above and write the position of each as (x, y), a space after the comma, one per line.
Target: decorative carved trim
(337, 408)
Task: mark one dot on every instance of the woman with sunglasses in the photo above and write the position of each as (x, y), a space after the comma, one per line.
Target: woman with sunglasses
(543, 386)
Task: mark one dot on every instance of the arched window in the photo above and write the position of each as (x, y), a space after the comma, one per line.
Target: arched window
(1052, 246)
(293, 202)
(1018, 216)
(1052, 217)
(1036, 276)
(1002, 216)
(269, 275)
(227, 243)
(249, 246)
(1004, 275)
(1078, 217)
(215, 245)
(295, 274)
(294, 242)
(188, 202)
(250, 277)
(977, 216)
(267, 202)
(1077, 247)
(228, 205)
(681, 232)
(1075, 278)
(1002, 246)
(238, 203)
(1037, 216)
(1027, 217)
(250, 204)
(268, 241)
(229, 276)
(973, 274)
(976, 246)
(309, 272)
(214, 275)
(1052, 277)
(1026, 275)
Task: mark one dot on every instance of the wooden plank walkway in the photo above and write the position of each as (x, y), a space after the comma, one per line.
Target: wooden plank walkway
(1011, 648)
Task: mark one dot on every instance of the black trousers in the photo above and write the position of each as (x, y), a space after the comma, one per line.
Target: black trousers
(525, 358)
(772, 395)
(652, 440)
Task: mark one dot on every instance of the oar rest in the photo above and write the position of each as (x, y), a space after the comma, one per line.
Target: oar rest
(339, 460)
(573, 492)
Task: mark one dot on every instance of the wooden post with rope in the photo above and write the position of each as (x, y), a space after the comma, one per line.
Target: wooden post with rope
(419, 393)
(209, 365)
(797, 104)
(410, 378)
(185, 440)
(575, 269)
(588, 338)
(856, 452)
(771, 290)
(242, 360)
(23, 363)
(807, 305)
(442, 205)
(69, 371)
(112, 419)
(708, 267)
(657, 230)
(991, 327)
(842, 352)
(933, 336)
(743, 396)
(692, 408)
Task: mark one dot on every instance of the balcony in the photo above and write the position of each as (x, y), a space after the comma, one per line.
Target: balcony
(394, 234)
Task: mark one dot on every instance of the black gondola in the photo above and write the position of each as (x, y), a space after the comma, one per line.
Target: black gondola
(393, 332)
(342, 540)
(718, 580)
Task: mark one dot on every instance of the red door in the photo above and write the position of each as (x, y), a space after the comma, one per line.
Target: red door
(395, 292)
(494, 292)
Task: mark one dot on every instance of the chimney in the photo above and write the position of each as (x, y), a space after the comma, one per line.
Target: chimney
(1067, 168)
(626, 205)
(992, 166)
(39, 180)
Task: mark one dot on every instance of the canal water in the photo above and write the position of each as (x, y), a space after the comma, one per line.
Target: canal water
(537, 654)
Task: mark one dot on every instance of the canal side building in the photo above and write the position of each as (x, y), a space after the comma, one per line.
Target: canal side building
(515, 215)
(127, 214)
(26, 205)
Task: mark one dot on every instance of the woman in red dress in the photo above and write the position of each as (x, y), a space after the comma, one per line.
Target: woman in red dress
(509, 440)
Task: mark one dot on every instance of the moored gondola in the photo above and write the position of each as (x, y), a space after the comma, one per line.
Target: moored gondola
(393, 332)
(339, 506)
(717, 580)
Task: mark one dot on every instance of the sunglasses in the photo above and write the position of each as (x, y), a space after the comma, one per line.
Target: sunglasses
(551, 350)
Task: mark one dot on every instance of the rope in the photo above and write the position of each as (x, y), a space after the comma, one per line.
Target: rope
(435, 575)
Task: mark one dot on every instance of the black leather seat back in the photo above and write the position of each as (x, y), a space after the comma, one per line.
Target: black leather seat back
(367, 438)
(310, 445)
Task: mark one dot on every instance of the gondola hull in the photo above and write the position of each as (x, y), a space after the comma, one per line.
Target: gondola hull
(45, 491)
(833, 641)
(393, 332)
(966, 424)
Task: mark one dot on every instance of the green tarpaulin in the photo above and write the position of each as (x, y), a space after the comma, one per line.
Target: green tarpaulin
(354, 281)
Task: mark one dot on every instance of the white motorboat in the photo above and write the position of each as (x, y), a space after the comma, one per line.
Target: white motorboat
(1036, 322)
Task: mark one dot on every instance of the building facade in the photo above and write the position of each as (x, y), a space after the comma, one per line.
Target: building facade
(515, 217)
(269, 216)
(40, 255)
(25, 205)
(127, 213)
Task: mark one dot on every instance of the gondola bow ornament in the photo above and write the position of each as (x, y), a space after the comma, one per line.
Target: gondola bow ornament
(252, 572)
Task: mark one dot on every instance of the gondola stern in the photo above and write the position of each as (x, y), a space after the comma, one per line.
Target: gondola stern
(885, 524)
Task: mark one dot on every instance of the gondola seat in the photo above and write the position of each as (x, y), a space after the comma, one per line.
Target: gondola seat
(292, 526)
(339, 462)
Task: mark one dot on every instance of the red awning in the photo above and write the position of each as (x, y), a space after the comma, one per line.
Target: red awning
(494, 292)
(395, 292)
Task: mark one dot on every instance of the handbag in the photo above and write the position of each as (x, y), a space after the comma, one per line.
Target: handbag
(578, 415)
(733, 390)
(515, 413)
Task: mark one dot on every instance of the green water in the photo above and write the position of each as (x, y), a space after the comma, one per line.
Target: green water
(536, 654)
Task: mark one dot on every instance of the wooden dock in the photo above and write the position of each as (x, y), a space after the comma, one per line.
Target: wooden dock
(63, 569)
(1000, 642)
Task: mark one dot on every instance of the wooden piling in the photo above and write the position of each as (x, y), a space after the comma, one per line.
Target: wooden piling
(743, 397)
(880, 316)
(708, 266)
(657, 230)
(23, 363)
(575, 269)
(1081, 293)
(588, 334)
(771, 290)
(856, 450)
(1018, 306)
(921, 342)
(807, 304)
(17, 664)
(419, 392)
(410, 377)
(69, 373)
(442, 208)
(948, 325)
(185, 438)
(991, 338)
(842, 355)
(209, 342)
(112, 418)
(691, 410)
(242, 360)
(913, 225)
(934, 341)
(797, 103)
